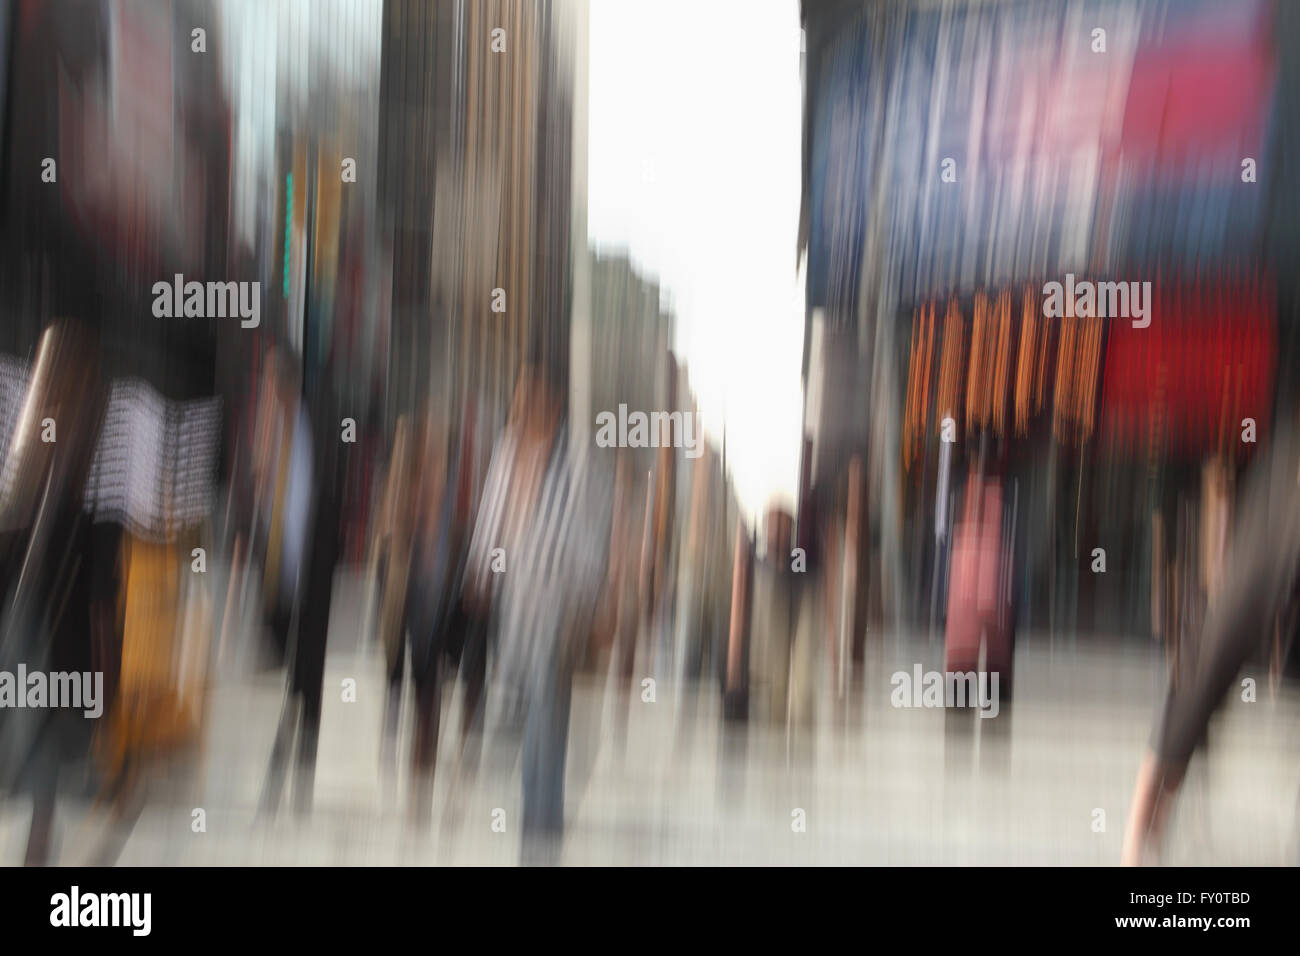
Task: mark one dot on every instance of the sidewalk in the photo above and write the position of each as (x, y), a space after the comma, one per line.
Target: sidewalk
(893, 786)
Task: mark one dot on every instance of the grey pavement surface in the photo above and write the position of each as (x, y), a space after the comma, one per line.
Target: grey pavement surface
(876, 784)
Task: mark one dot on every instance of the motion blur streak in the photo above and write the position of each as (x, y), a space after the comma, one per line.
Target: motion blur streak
(406, 518)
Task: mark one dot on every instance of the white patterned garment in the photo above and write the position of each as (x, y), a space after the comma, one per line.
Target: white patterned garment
(155, 463)
(490, 530)
(550, 590)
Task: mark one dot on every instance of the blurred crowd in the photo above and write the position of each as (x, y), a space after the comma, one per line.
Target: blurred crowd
(415, 407)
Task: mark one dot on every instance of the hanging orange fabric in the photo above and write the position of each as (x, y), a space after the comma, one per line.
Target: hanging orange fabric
(1026, 364)
(919, 374)
(950, 366)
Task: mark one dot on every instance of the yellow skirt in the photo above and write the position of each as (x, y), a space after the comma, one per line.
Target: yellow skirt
(166, 629)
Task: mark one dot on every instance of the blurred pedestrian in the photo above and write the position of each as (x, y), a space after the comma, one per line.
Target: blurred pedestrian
(1260, 577)
(307, 537)
(48, 552)
(627, 530)
(392, 544)
(548, 597)
(429, 596)
(774, 616)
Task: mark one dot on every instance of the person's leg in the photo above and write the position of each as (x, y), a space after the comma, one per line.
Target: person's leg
(474, 668)
(779, 668)
(546, 738)
(392, 709)
(273, 786)
(281, 621)
(308, 738)
(428, 713)
(532, 781)
(40, 836)
(127, 808)
(799, 735)
(466, 651)
(625, 642)
(690, 625)
(685, 632)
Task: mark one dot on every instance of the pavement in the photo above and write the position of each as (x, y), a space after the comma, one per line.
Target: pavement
(1046, 782)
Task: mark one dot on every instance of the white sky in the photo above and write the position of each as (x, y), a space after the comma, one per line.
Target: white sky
(694, 168)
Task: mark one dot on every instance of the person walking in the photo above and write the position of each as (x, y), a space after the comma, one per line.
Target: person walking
(307, 537)
(1260, 575)
(548, 599)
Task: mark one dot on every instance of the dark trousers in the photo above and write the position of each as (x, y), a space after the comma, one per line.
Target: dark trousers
(298, 732)
(463, 645)
(427, 676)
(471, 633)
(300, 724)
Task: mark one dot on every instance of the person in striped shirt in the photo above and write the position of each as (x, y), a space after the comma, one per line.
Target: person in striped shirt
(547, 505)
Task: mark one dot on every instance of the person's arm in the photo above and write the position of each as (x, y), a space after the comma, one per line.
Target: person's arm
(586, 532)
(487, 529)
(380, 524)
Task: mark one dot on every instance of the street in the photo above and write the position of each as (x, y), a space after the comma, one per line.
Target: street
(876, 784)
